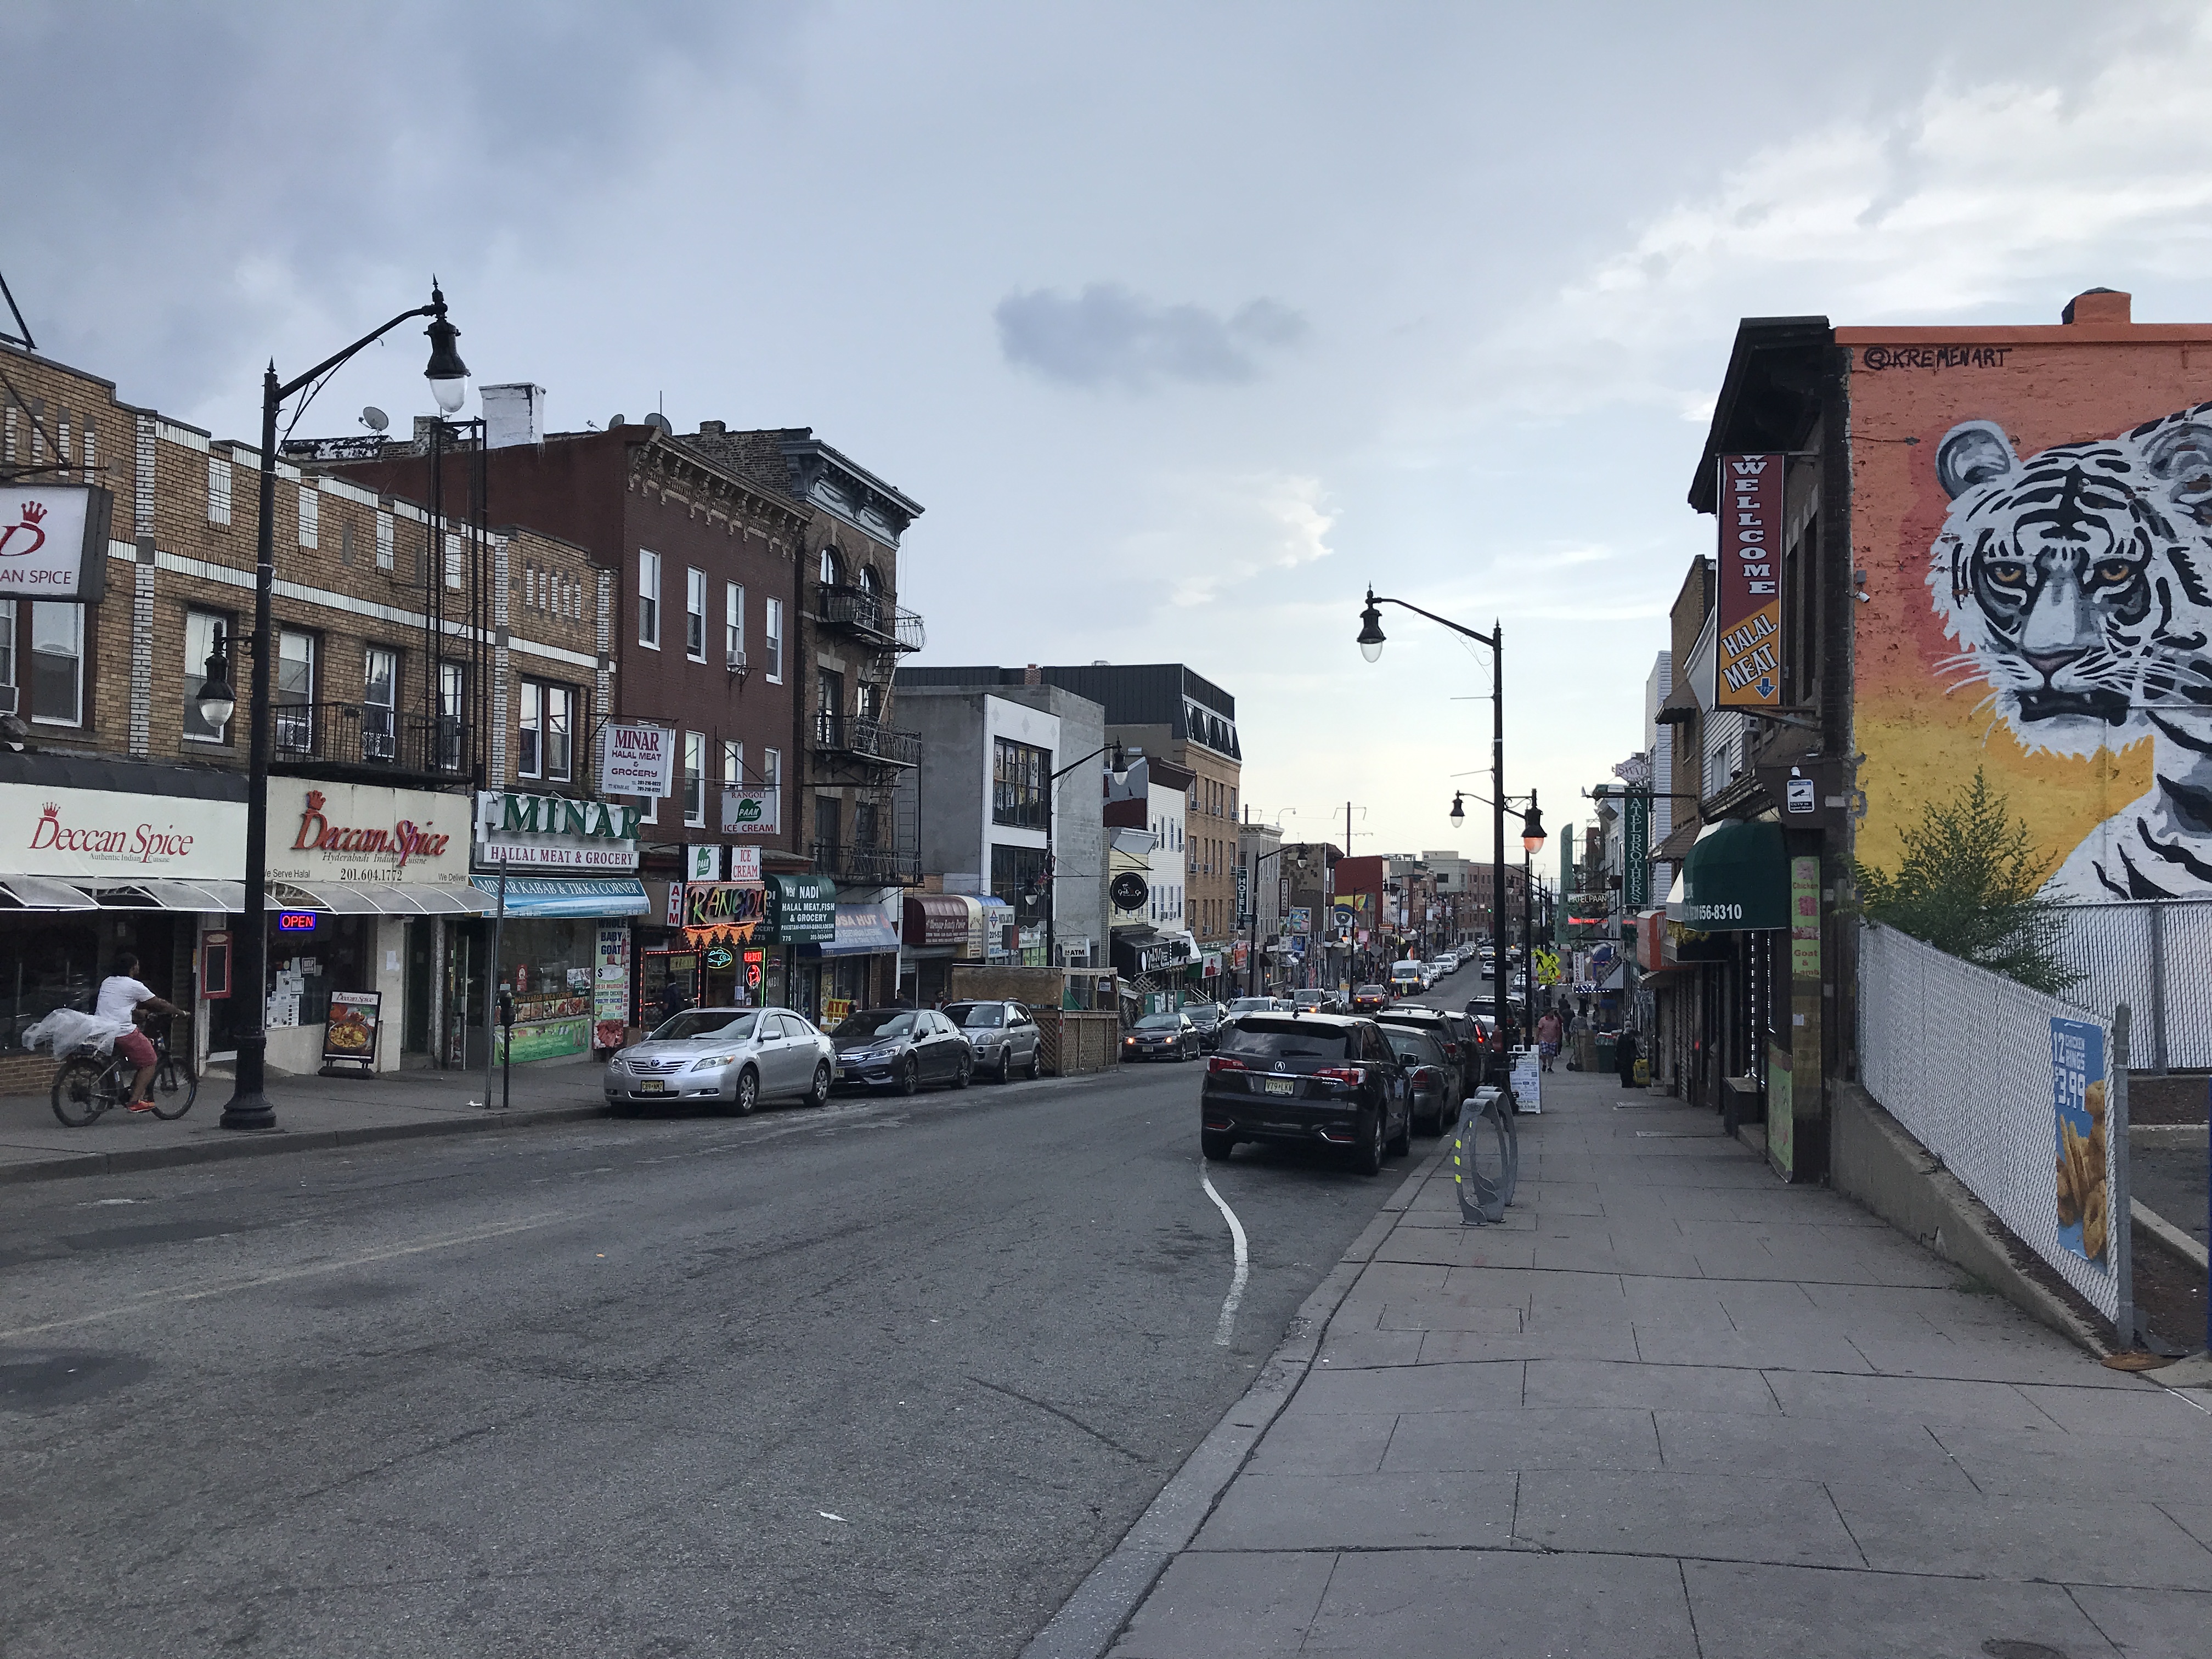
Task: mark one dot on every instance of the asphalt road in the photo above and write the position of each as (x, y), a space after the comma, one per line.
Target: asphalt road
(886, 1378)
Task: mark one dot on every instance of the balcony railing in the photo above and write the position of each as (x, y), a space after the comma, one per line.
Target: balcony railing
(859, 866)
(867, 738)
(872, 617)
(355, 734)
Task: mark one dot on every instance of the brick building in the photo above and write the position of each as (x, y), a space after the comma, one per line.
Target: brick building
(400, 644)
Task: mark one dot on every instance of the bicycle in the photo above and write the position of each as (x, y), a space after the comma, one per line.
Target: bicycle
(87, 1085)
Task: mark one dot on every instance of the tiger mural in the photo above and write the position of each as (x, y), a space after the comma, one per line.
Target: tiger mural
(2078, 587)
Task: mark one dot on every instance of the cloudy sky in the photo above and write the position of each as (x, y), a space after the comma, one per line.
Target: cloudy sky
(1185, 323)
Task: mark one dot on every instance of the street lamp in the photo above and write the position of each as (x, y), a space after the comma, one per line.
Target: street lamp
(1371, 646)
(217, 700)
(248, 1107)
(1117, 767)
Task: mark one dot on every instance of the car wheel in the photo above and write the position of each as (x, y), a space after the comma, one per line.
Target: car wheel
(1402, 1142)
(1216, 1146)
(1006, 1065)
(820, 1094)
(1367, 1158)
(1037, 1062)
(910, 1077)
(960, 1072)
(748, 1098)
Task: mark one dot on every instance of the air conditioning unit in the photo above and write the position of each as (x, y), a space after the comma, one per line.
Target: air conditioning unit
(736, 663)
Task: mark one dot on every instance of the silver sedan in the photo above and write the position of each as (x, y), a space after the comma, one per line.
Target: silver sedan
(731, 1058)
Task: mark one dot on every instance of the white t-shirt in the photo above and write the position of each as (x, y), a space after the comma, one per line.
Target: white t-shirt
(119, 997)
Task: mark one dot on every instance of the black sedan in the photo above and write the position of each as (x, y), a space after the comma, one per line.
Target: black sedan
(1312, 1079)
(1431, 1075)
(1161, 1036)
(901, 1049)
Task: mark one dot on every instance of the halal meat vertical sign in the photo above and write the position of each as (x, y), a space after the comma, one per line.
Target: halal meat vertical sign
(1749, 625)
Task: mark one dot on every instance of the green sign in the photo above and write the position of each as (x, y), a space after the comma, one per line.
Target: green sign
(1636, 852)
(802, 910)
(543, 1039)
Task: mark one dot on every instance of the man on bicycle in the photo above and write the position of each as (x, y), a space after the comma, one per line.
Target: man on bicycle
(121, 996)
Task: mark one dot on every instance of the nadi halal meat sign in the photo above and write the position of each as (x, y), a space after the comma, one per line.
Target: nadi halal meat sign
(1749, 603)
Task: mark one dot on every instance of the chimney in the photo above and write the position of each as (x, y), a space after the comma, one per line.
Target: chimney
(1031, 675)
(712, 428)
(514, 413)
(2107, 307)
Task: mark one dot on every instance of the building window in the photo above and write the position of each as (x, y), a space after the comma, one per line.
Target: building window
(1017, 869)
(733, 623)
(295, 691)
(648, 598)
(57, 663)
(774, 641)
(311, 516)
(384, 538)
(771, 772)
(452, 681)
(201, 628)
(452, 560)
(694, 779)
(1019, 772)
(548, 714)
(218, 488)
(695, 615)
(733, 761)
(829, 567)
(379, 698)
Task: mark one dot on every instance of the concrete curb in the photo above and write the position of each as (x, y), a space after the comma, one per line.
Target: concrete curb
(1089, 1620)
(2175, 1241)
(270, 1144)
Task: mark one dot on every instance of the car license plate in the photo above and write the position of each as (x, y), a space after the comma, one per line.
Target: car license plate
(650, 1086)
(1278, 1085)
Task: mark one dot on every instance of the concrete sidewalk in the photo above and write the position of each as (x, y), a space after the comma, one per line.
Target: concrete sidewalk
(1674, 1408)
(311, 1111)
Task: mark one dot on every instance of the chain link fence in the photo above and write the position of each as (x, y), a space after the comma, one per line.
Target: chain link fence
(2154, 955)
(1964, 1058)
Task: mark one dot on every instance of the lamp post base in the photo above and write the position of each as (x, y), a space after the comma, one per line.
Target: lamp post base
(248, 1107)
(248, 1112)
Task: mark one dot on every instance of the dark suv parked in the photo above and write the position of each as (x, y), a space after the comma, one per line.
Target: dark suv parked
(1315, 1079)
(1455, 1034)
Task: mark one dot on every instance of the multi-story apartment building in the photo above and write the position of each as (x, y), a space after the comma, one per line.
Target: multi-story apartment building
(403, 648)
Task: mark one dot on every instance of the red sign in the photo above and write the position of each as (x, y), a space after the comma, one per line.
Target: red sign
(1748, 667)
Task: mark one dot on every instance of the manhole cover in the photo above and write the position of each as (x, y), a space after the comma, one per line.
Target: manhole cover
(1998, 1648)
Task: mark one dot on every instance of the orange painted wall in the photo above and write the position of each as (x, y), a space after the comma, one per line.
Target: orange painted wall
(2057, 384)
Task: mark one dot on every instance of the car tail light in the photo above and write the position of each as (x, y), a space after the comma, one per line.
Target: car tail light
(1222, 1063)
(1451, 1051)
(1351, 1076)
(1424, 1074)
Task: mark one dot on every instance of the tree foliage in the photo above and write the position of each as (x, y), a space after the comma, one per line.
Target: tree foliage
(1968, 885)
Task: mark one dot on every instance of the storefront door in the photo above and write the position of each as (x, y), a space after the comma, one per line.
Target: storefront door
(415, 1029)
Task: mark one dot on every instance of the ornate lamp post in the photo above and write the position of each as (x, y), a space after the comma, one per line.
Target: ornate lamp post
(248, 1107)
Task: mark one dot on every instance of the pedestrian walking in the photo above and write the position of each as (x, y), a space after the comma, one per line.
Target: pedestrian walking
(1550, 1031)
(1623, 1051)
(672, 999)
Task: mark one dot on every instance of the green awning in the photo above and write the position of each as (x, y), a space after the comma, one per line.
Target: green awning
(1736, 879)
(801, 909)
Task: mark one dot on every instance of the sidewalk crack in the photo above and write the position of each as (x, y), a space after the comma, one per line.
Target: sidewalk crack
(1846, 1526)
(1306, 1635)
(2091, 1617)
(1956, 1463)
(1697, 1641)
(1513, 1527)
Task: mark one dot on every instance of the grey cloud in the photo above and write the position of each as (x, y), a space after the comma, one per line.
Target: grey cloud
(1109, 335)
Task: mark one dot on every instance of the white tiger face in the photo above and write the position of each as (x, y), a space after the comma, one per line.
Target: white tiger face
(2071, 581)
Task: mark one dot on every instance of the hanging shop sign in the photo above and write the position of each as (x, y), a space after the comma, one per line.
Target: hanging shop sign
(53, 542)
(365, 832)
(717, 905)
(744, 863)
(1301, 919)
(802, 910)
(1748, 668)
(111, 835)
(637, 759)
(702, 862)
(1636, 851)
(1129, 890)
(751, 812)
(553, 832)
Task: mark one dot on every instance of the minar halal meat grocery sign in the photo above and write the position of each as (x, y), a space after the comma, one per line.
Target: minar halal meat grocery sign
(553, 832)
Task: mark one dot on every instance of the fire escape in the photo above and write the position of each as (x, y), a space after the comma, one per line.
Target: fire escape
(861, 749)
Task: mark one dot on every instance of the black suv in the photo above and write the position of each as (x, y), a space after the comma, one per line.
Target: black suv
(1316, 1079)
(1454, 1033)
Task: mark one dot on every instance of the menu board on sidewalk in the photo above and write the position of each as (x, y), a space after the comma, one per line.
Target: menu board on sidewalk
(349, 1036)
(1528, 1081)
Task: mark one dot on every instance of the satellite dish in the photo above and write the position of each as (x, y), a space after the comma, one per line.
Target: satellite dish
(614, 421)
(375, 418)
(659, 423)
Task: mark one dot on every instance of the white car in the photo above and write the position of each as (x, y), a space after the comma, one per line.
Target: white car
(1448, 964)
(732, 1058)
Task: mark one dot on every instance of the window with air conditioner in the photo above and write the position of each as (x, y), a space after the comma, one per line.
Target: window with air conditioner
(733, 627)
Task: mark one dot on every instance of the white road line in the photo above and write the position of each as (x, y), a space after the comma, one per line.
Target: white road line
(179, 1293)
(1228, 1325)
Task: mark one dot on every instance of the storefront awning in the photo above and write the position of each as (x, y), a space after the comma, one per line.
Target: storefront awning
(561, 896)
(1736, 879)
(383, 898)
(43, 893)
(862, 930)
(332, 897)
(937, 918)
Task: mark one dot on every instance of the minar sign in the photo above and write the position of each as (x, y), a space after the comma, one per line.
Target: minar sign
(1749, 664)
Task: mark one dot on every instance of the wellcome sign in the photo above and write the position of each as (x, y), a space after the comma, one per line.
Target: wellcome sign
(554, 832)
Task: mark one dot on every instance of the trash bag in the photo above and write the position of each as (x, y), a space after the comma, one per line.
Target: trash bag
(66, 1030)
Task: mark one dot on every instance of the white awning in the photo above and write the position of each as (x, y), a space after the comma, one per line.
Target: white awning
(43, 893)
(332, 897)
(163, 893)
(387, 898)
(432, 899)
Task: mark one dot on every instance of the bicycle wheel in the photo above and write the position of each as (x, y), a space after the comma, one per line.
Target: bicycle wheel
(80, 1091)
(176, 1085)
